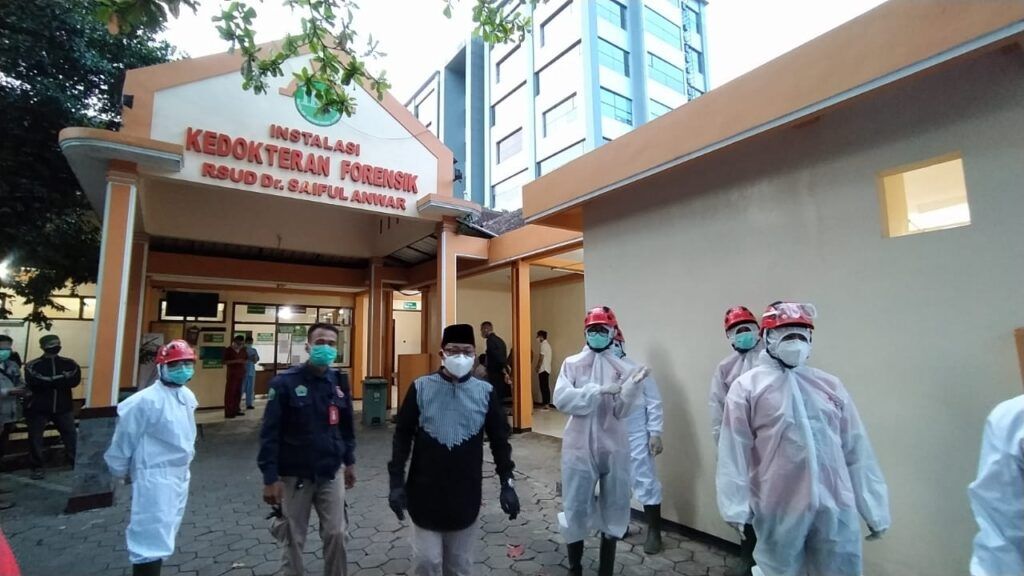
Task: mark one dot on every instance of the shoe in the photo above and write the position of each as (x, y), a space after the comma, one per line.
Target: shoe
(250, 407)
(5, 505)
(147, 569)
(653, 516)
(606, 567)
(38, 474)
(745, 564)
(575, 558)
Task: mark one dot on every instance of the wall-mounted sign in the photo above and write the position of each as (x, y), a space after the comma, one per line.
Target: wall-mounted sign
(255, 309)
(264, 336)
(213, 338)
(410, 305)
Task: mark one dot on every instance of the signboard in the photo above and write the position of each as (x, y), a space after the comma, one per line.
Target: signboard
(213, 338)
(309, 109)
(279, 144)
(212, 364)
(264, 336)
(410, 305)
(255, 309)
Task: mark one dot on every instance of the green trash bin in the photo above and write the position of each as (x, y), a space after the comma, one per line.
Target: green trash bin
(375, 401)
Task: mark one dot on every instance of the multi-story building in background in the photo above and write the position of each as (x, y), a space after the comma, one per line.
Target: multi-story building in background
(591, 71)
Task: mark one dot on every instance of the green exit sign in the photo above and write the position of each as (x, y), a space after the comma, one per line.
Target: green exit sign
(409, 305)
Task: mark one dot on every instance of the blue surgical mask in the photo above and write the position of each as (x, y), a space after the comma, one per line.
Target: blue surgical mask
(322, 355)
(5, 353)
(599, 341)
(180, 374)
(744, 341)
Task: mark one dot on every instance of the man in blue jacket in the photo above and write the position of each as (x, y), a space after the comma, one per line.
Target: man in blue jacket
(308, 434)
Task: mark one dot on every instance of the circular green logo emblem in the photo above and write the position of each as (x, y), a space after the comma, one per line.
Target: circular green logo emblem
(307, 106)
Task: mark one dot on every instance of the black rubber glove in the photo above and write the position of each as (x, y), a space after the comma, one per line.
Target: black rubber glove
(397, 501)
(509, 501)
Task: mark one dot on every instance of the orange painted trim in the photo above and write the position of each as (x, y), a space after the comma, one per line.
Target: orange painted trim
(165, 284)
(253, 270)
(530, 242)
(522, 341)
(132, 337)
(849, 56)
(470, 247)
(123, 138)
(103, 365)
(144, 83)
(359, 337)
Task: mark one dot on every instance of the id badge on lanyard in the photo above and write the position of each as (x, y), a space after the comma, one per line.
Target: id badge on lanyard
(332, 415)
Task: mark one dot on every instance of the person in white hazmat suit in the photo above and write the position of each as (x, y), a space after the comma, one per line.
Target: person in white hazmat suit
(154, 444)
(644, 427)
(742, 331)
(597, 390)
(997, 495)
(795, 461)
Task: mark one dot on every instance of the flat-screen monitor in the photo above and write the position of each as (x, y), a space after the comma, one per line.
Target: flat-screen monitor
(192, 304)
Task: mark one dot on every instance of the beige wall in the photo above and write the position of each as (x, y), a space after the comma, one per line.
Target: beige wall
(478, 301)
(559, 309)
(920, 328)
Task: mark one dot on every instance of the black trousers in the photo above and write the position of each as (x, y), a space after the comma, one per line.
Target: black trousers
(65, 423)
(545, 388)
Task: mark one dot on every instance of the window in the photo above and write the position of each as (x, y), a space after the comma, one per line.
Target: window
(510, 64)
(508, 194)
(509, 146)
(613, 12)
(924, 197)
(560, 25)
(694, 61)
(512, 108)
(562, 74)
(616, 106)
(693, 93)
(559, 115)
(664, 73)
(663, 28)
(692, 21)
(658, 109)
(612, 57)
(559, 159)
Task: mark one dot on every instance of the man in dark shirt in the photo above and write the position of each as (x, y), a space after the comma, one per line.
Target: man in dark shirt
(442, 422)
(235, 358)
(50, 379)
(308, 434)
(497, 360)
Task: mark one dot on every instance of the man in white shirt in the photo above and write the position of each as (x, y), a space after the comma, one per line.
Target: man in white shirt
(543, 368)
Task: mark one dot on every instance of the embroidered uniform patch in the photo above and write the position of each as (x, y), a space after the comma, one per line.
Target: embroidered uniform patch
(272, 394)
(301, 391)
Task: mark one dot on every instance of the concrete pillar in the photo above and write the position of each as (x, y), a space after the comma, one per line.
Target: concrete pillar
(377, 318)
(522, 341)
(117, 317)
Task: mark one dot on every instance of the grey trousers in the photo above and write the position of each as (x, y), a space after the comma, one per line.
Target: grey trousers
(328, 497)
(443, 553)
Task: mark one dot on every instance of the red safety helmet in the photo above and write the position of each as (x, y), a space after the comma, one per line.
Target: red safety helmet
(601, 315)
(175, 351)
(619, 336)
(782, 314)
(738, 315)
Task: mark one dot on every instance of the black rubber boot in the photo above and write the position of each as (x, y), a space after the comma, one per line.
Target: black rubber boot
(746, 560)
(607, 565)
(147, 569)
(653, 543)
(575, 558)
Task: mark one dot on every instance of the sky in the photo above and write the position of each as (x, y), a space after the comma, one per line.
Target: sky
(742, 34)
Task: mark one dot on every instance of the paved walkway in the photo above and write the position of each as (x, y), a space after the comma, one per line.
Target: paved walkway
(225, 532)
